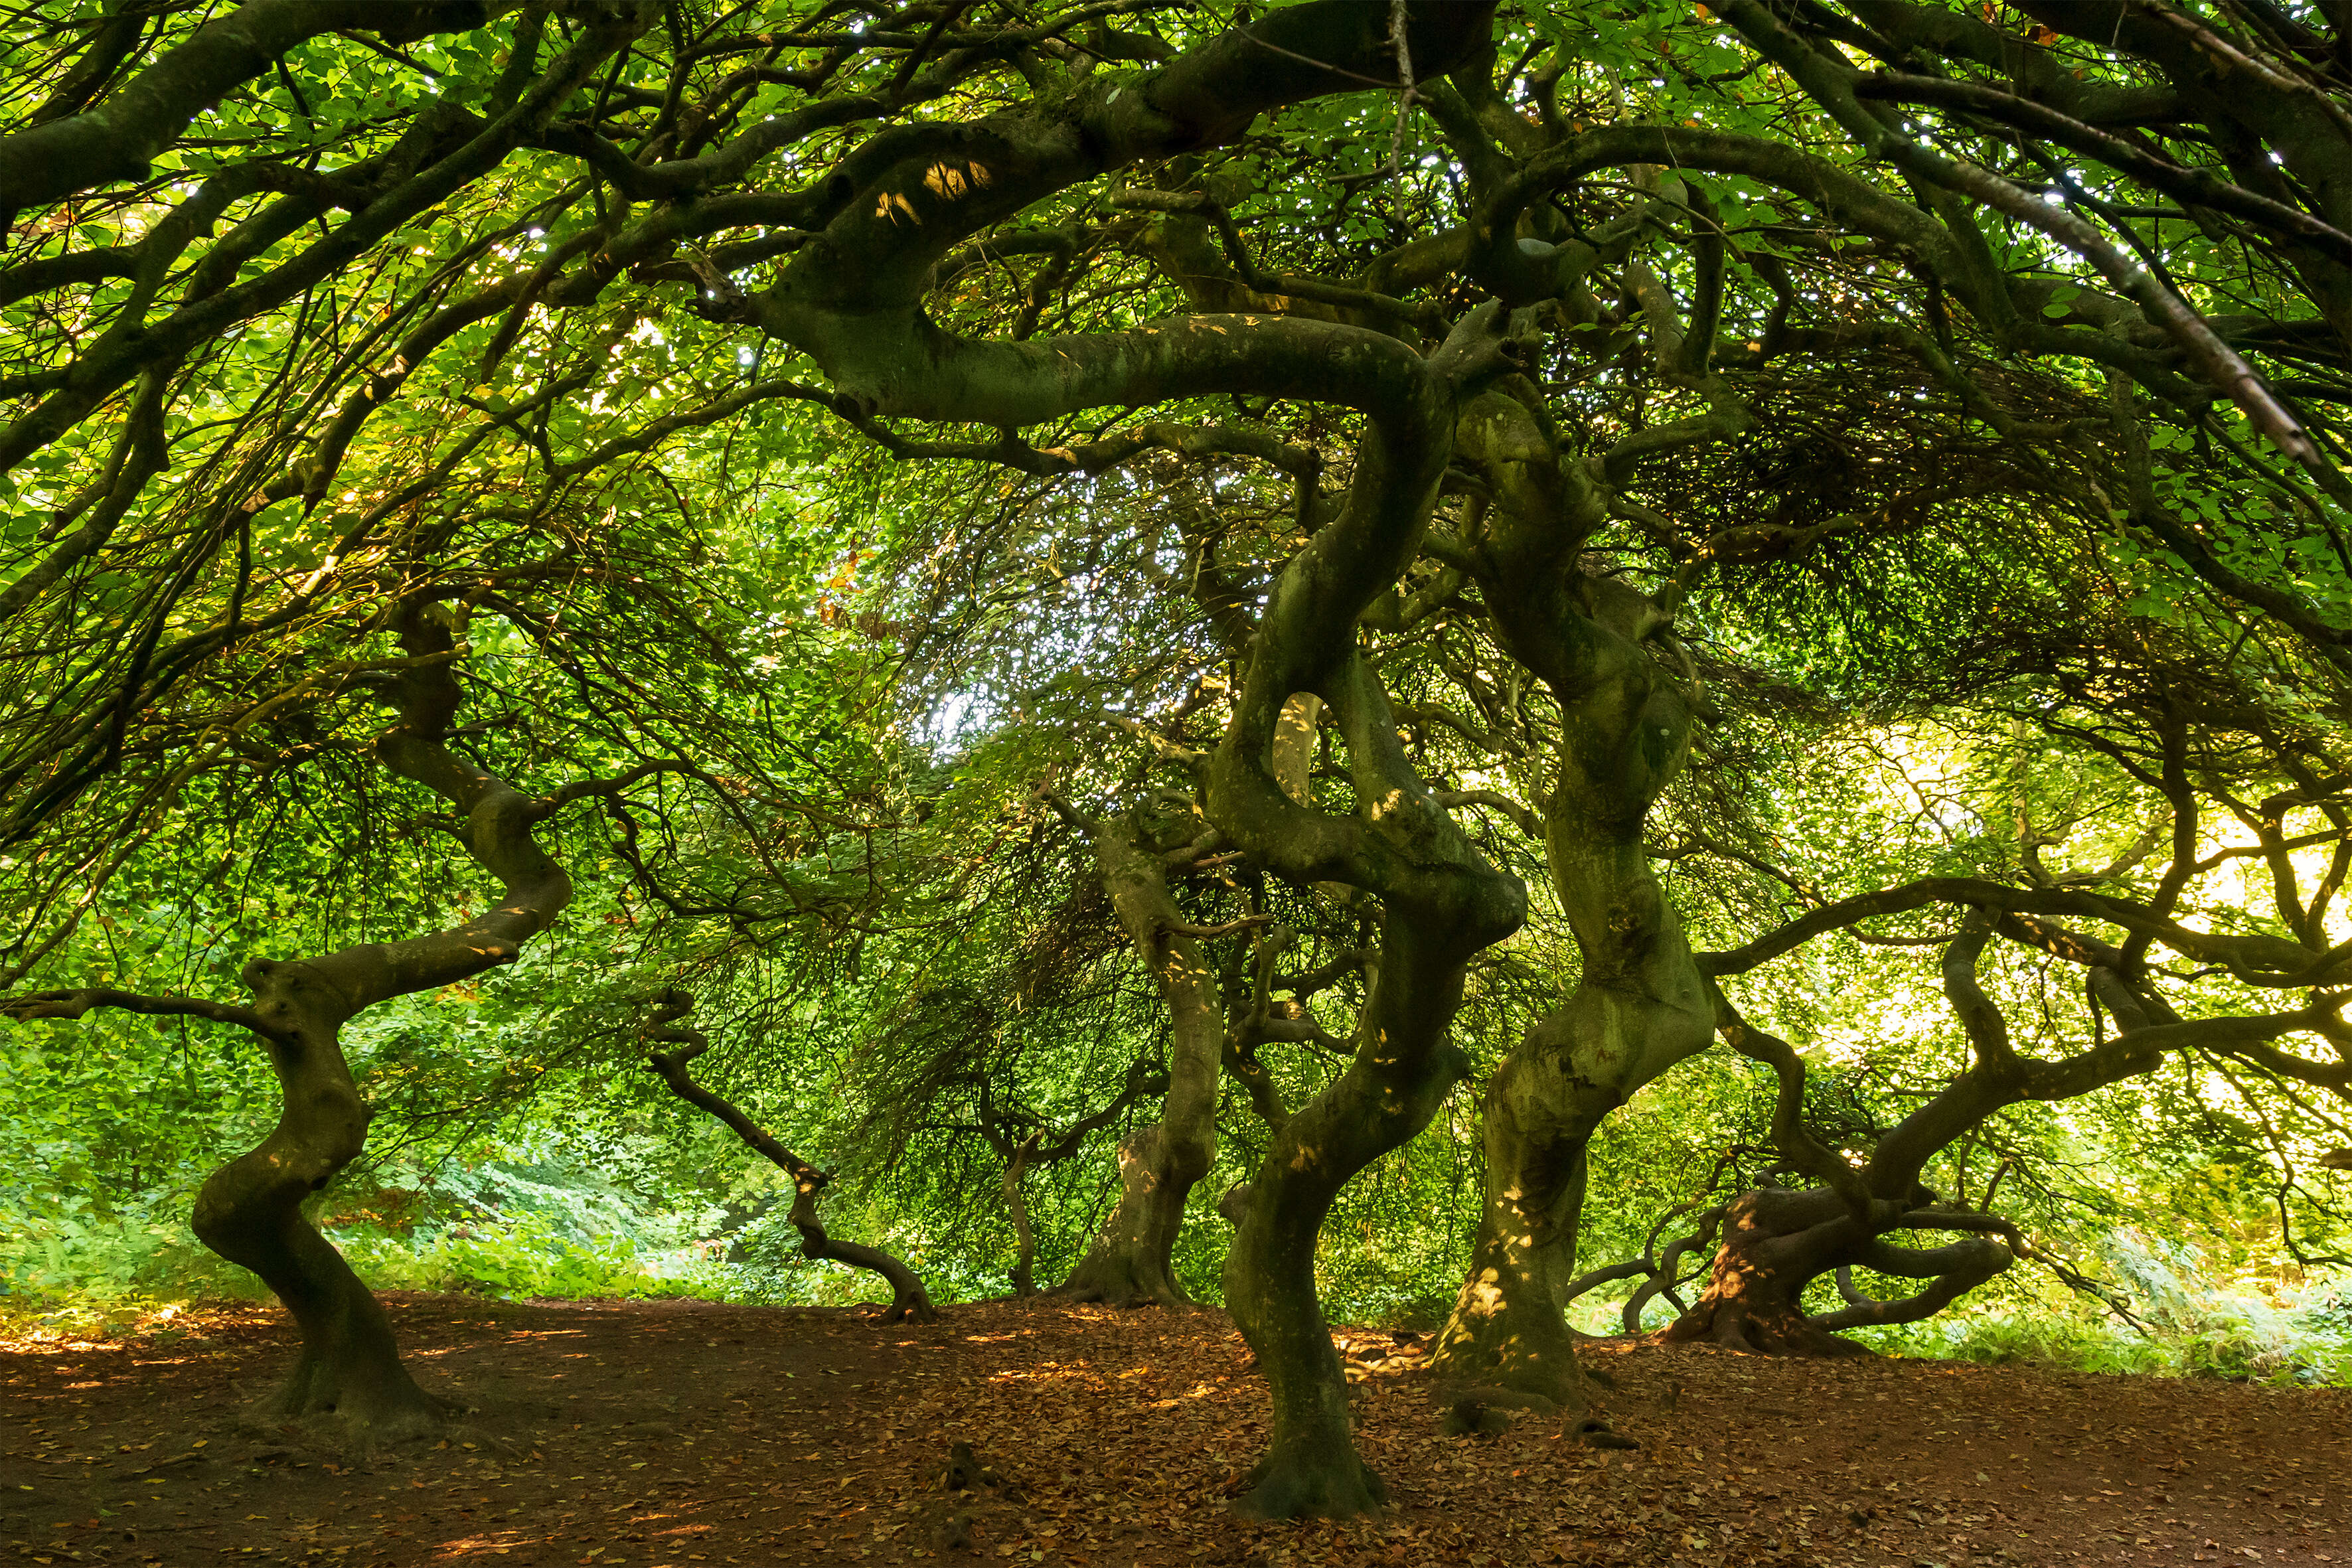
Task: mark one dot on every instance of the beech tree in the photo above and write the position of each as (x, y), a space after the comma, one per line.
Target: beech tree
(908, 1300)
(250, 1212)
(1495, 395)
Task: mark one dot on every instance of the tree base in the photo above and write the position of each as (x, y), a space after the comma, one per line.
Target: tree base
(375, 1403)
(1303, 1482)
(1486, 1409)
(1118, 1282)
(1781, 1333)
(901, 1311)
(1129, 1264)
(1531, 1352)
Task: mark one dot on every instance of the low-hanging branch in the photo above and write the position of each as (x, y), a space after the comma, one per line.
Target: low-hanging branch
(908, 1300)
(1025, 1142)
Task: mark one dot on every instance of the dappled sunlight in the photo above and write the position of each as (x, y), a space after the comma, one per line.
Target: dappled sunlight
(1036, 556)
(498, 1543)
(696, 1433)
(1483, 1295)
(953, 180)
(132, 1327)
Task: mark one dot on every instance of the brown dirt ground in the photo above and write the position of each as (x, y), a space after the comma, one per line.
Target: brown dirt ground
(680, 1433)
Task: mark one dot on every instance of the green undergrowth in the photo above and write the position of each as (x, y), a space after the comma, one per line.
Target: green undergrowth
(523, 1220)
(2289, 1337)
(2170, 1314)
(511, 1228)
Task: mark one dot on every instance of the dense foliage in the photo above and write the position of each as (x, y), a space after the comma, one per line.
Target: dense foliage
(1482, 664)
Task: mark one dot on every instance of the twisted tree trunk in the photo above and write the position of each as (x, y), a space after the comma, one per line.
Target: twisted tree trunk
(910, 1302)
(1016, 1206)
(1777, 1242)
(1131, 1260)
(249, 1211)
(1639, 1009)
(1640, 1006)
(1440, 903)
(1387, 1095)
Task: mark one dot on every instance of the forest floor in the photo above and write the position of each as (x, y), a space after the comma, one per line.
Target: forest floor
(682, 1432)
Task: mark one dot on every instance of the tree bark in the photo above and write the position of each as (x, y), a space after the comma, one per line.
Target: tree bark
(249, 1212)
(1775, 1243)
(1016, 1206)
(1640, 1005)
(1131, 1263)
(1386, 1096)
(910, 1302)
(1131, 1260)
(1639, 1009)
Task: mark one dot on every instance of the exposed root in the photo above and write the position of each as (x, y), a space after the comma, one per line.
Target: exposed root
(352, 1431)
(1777, 1333)
(967, 1472)
(1483, 1410)
(955, 1532)
(1594, 1433)
(372, 1412)
(1128, 1299)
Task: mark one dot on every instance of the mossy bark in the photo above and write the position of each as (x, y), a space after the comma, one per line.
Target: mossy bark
(1640, 1005)
(251, 1210)
(1131, 1260)
(1435, 918)
(1775, 1244)
(1386, 1096)
(1439, 901)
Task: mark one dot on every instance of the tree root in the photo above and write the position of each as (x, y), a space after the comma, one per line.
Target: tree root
(1134, 1297)
(353, 1431)
(967, 1472)
(1751, 1333)
(1594, 1433)
(955, 1532)
(1483, 1410)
